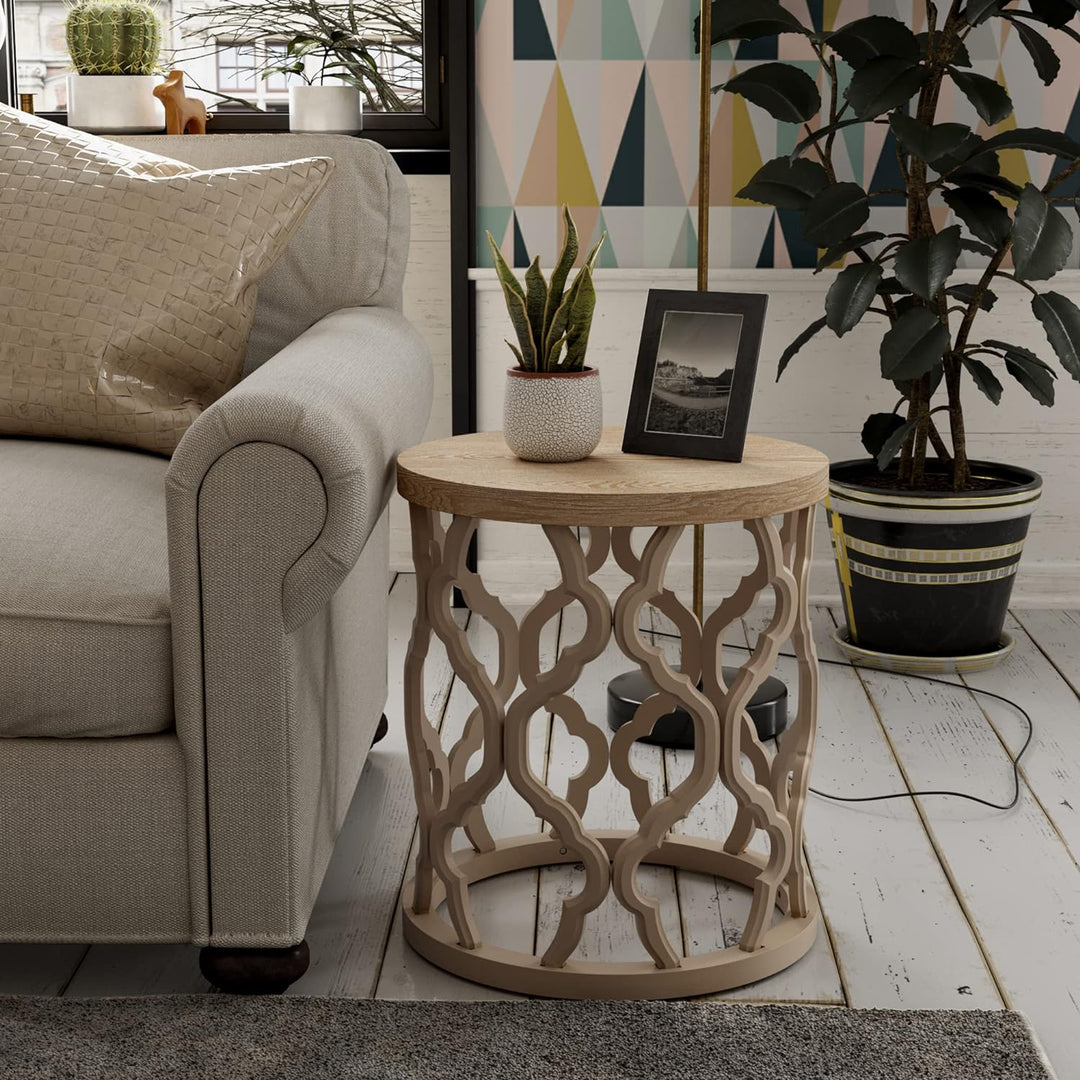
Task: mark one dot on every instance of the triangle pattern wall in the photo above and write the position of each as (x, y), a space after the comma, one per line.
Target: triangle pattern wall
(594, 103)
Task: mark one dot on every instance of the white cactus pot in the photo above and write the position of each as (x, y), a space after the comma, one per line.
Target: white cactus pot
(553, 416)
(334, 109)
(114, 104)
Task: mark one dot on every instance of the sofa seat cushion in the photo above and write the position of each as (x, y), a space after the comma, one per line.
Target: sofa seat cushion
(85, 637)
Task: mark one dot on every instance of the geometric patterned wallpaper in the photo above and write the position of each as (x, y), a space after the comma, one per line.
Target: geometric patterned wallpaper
(593, 103)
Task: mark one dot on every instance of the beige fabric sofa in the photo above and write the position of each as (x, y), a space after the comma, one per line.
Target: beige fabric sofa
(193, 652)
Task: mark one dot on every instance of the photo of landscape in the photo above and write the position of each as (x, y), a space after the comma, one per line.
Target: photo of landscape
(692, 378)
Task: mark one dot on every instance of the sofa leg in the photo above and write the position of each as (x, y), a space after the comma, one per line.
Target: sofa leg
(254, 971)
(381, 730)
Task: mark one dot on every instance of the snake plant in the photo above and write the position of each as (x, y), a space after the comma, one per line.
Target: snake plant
(552, 321)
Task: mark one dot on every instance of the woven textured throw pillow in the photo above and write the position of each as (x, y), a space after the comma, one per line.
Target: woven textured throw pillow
(127, 281)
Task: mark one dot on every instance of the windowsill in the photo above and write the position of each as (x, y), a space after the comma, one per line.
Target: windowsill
(415, 152)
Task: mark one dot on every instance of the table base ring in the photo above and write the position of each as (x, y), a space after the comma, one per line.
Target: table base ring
(723, 969)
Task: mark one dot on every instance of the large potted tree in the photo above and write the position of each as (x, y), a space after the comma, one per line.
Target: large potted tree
(927, 539)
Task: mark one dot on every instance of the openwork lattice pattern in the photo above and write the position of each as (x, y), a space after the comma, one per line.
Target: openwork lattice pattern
(770, 791)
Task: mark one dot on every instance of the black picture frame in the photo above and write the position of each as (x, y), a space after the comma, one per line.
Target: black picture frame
(670, 314)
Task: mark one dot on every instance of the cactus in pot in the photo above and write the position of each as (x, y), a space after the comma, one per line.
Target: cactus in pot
(111, 40)
(113, 37)
(552, 410)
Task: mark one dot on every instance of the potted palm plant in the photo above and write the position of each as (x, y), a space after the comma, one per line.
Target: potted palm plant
(927, 539)
(114, 45)
(552, 409)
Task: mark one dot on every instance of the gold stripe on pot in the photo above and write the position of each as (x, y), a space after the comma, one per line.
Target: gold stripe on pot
(938, 502)
(907, 577)
(931, 555)
(836, 527)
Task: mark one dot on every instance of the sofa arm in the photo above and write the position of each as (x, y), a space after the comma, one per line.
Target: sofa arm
(348, 395)
(272, 495)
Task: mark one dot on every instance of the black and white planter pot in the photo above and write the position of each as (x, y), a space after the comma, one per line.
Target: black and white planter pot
(926, 577)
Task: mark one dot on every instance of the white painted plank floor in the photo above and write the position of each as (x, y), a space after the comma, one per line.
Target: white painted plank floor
(928, 903)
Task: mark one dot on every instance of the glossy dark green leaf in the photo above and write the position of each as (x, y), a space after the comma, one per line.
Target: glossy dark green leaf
(924, 265)
(786, 93)
(970, 156)
(786, 183)
(814, 328)
(932, 381)
(978, 11)
(928, 142)
(864, 40)
(1046, 61)
(883, 435)
(747, 20)
(845, 247)
(1060, 318)
(985, 182)
(966, 293)
(1040, 140)
(835, 214)
(990, 98)
(884, 84)
(984, 216)
(1054, 13)
(1042, 238)
(1033, 374)
(914, 346)
(853, 291)
(984, 378)
(1020, 350)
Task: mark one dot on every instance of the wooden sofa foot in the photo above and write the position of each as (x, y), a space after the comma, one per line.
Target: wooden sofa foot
(381, 730)
(254, 971)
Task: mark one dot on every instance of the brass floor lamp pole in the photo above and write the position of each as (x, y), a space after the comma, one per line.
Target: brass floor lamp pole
(768, 707)
(704, 159)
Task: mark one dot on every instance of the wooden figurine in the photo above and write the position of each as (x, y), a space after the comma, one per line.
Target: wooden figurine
(183, 115)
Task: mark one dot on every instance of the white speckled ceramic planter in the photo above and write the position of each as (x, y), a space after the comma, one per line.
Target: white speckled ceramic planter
(552, 416)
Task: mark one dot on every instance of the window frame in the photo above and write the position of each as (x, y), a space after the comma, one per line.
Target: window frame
(427, 130)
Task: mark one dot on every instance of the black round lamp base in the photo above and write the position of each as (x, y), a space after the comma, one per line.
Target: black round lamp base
(675, 731)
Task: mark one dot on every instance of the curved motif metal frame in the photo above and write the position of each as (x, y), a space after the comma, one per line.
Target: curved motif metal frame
(771, 798)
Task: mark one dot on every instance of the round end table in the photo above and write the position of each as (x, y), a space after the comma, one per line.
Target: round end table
(476, 476)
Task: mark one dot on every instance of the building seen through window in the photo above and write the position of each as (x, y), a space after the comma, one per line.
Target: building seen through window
(243, 53)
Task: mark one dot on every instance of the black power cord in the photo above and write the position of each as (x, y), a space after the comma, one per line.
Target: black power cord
(1014, 760)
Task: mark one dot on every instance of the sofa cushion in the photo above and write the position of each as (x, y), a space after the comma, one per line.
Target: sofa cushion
(85, 640)
(350, 251)
(126, 299)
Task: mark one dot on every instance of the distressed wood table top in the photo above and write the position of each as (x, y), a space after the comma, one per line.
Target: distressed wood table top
(478, 476)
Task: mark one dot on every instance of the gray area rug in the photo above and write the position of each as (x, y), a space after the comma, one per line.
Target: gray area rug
(210, 1036)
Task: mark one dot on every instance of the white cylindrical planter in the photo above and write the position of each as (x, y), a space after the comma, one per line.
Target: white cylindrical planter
(114, 104)
(553, 416)
(334, 109)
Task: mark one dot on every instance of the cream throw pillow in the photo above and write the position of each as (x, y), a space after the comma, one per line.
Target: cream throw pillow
(128, 281)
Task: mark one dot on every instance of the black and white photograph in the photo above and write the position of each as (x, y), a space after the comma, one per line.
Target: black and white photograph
(695, 374)
(692, 378)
